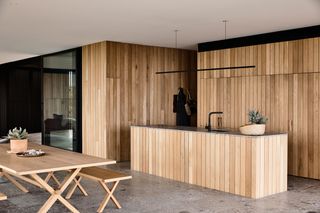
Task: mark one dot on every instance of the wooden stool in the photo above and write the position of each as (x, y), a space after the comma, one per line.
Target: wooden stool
(103, 176)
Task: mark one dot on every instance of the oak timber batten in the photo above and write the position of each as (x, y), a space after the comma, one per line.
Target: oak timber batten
(251, 166)
(284, 86)
(120, 88)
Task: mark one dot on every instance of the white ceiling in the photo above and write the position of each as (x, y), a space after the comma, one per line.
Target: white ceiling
(35, 27)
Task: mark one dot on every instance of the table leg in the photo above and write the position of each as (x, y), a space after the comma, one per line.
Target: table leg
(56, 194)
(75, 185)
(24, 178)
(51, 175)
(13, 181)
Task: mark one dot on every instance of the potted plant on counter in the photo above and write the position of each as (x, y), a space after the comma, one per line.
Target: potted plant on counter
(18, 140)
(257, 124)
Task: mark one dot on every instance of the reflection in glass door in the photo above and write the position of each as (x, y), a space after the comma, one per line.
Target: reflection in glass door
(60, 98)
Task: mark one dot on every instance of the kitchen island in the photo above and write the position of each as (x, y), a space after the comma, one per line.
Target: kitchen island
(251, 166)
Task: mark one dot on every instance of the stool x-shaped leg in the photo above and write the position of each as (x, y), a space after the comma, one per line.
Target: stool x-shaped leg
(109, 195)
(106, 199)
(75, 185)
(56, 194)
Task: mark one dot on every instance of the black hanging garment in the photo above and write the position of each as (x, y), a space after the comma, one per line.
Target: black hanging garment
(182, 119)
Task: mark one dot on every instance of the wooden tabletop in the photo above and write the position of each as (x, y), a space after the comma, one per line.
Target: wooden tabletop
(54, 160)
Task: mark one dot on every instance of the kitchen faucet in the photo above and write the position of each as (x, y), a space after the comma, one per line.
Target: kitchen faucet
(208, 127)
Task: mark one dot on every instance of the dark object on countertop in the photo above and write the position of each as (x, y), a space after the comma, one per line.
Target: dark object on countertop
(175, 103)
(182, 119)
(193, 106)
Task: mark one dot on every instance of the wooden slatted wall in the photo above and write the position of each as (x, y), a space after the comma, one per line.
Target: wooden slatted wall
(120, 88)
(249, 166)
(94, 110)
(284, 86)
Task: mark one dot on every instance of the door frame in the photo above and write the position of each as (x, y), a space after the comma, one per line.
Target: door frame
(77, 145)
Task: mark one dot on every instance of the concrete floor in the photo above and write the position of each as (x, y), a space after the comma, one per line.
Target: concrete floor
(146, 193)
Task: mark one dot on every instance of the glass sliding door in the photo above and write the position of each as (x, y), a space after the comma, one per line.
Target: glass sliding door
(61, 113)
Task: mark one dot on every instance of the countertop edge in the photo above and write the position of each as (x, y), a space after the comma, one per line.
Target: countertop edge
(201, 130)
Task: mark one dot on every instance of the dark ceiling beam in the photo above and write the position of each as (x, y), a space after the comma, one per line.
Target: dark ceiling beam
(285, 35)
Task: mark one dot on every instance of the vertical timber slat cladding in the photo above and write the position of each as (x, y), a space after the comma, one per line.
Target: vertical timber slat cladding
(236, 164)
(120, 88)
(94, 103)
(284, 86)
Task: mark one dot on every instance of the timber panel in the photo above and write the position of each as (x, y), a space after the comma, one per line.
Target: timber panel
(290, 57)
(249, 166)
(284, 86)
(121, 89)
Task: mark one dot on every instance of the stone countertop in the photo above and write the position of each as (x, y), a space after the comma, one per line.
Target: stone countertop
(195, 129)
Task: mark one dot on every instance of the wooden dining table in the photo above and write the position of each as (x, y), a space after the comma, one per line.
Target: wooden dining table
(29, 168)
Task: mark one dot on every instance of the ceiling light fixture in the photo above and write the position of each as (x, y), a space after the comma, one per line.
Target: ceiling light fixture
(225, 29)
(208, 69)
(176, 38)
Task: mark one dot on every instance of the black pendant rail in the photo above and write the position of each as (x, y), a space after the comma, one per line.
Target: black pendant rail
(208, 69)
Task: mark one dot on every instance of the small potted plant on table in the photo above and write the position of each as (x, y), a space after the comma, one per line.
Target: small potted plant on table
(257, 124)
(18, 140)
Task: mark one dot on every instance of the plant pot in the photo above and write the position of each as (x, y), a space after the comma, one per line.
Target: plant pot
(253, 129)
(18, 145)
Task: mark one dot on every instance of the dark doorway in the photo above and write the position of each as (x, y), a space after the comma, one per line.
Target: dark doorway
(62, 100)
(43, 95)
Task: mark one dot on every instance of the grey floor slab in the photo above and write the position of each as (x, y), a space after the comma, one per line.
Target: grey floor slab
(147, 193)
